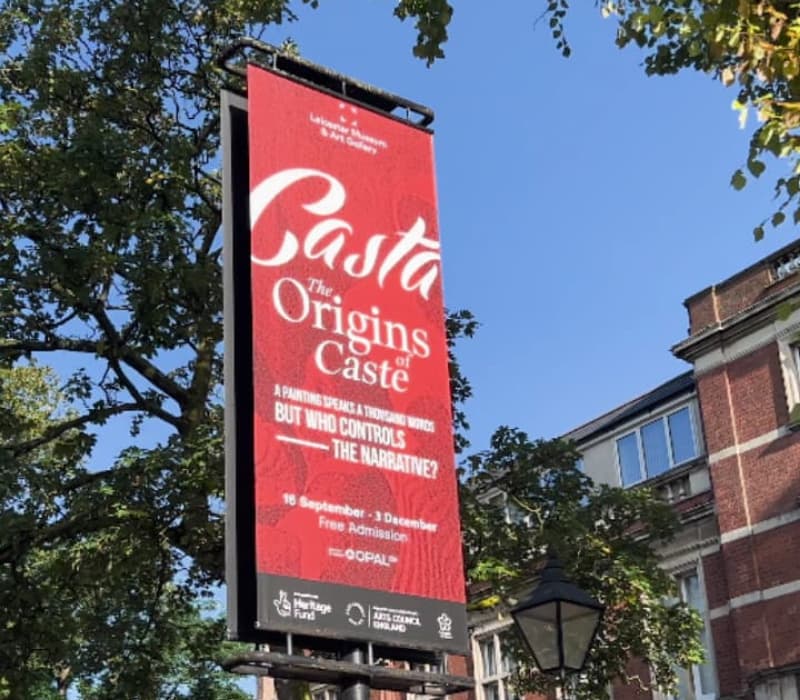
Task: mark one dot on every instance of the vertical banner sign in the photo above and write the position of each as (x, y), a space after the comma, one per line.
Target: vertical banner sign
(356, 505)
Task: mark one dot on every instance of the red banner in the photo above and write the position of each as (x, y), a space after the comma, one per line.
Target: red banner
(354, 468)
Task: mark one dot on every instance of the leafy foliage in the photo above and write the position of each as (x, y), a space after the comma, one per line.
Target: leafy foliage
(752, 45)
(90, 585)
(432, 18)
(459, 325)
(109, 264)
(605, 536)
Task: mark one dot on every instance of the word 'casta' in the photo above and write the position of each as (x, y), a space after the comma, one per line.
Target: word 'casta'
(416, 257)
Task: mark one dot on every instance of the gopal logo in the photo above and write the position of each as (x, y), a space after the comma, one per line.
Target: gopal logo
(355, 614)
(445, 626)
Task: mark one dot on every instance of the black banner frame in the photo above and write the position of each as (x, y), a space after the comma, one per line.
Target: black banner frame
(241, 574)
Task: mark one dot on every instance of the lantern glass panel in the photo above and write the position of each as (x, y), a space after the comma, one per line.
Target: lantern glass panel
(579, 624)
(541, 632)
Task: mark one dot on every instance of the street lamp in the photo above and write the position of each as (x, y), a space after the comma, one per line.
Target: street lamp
(558, 621)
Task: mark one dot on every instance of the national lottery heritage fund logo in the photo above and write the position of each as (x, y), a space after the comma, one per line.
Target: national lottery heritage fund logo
(301, 606)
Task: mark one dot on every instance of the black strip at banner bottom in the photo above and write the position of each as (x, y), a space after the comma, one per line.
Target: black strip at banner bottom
(346, 612)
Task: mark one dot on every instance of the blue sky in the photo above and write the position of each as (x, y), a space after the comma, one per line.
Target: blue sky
(580, 201)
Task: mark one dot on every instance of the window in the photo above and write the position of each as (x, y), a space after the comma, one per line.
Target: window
(493, 668)
(657, 446)
(325, 692)
(697, 682)
(512, 513)
(789, 357)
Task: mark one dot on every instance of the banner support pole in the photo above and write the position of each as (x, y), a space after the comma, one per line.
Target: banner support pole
(357, 690)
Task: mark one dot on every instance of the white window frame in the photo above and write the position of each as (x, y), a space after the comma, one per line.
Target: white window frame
(511, 512)
(695, 669)
(324, 692)
(681, 577)
(793, 391)
(637, 431)
(501, 675)
(789, 360)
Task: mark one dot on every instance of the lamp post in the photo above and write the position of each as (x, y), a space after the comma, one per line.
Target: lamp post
(558, 621)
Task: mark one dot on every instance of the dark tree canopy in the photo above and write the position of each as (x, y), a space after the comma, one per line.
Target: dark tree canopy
(523, 497)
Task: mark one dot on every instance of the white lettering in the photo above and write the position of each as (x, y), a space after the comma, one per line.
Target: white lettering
(414, 256)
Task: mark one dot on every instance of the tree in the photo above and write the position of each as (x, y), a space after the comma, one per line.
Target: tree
(754, 46)
(89, 586)
(606, 537)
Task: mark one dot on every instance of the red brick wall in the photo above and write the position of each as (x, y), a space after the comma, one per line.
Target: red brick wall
(702, 313)
(779, 285)
(768, 477)
(757, 562)
(724, 301)
(726, 656)
(632, 690)
(461, 666)
(739, 402)
(740, 565)
(749, 622)
(756, 638)
(772, 477)
(715, 580)
(746, 400)
(777, 556)
(754, 384)
(386, 695)
(741, 292)
(712, 391)
(729, 495)
(757, 393)
(782, 618)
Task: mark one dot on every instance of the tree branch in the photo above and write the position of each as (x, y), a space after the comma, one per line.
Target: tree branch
(146, 405)
(134, 360)
(54, 431)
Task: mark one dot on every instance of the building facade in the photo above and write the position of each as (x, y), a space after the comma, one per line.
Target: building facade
(721, 442)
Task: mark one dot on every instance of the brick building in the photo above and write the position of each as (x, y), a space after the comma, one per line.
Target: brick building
(743, 346)
(722, 443)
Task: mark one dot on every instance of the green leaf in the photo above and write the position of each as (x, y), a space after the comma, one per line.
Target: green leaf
(738, 180)
(655, 13)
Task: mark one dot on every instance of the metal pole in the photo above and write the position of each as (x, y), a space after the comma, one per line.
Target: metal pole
(356, 690)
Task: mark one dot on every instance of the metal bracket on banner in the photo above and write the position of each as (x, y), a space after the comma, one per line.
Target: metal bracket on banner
(270, 57)
(335, 672)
